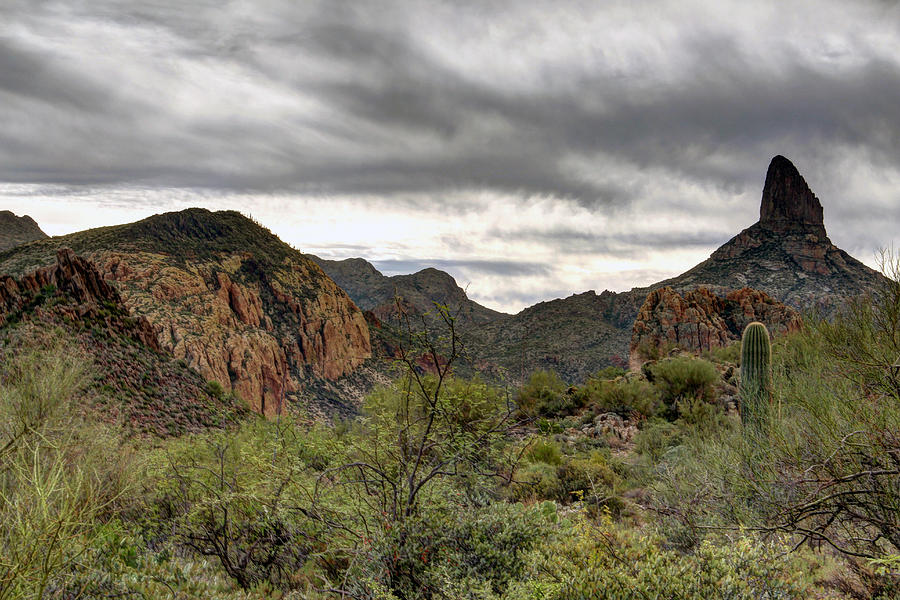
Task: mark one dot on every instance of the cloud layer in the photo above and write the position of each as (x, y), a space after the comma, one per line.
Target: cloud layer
(533, 148)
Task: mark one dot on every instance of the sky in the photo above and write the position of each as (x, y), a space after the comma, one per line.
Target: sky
(533, 149)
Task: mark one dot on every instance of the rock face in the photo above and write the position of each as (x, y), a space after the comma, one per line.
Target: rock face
(133, 382)
(17, 230)
(699, 320)
(787, 202)
(230, 299)
(76, 278)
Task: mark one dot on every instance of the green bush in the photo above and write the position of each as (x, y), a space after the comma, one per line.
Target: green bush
(609, 373)
(656, 437)
(725, 354)
(684, 377)
(241, 497)
(607, 562)
(545, 451)
(584, 478)
(544, 394)
(621, 396)
(449, 552)
(60, 475)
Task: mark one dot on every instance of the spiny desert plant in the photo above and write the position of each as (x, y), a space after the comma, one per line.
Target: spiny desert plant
(756, 373)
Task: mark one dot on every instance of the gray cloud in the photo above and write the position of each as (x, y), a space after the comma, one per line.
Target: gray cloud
(488, 267)
(400, 119)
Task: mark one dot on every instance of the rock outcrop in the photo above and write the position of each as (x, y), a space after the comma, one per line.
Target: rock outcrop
(79, 281)
(17, 230)
(787, 202)
(258, 338)
(700, 320)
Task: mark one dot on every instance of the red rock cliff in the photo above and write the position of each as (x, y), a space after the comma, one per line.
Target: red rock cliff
(700, 320)
(259, 336)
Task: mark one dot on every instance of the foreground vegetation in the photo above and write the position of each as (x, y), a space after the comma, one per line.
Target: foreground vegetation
(632, 485)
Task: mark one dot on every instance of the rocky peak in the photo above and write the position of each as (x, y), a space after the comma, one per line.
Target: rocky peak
(787, 202)
(71, 274)
(17, 230)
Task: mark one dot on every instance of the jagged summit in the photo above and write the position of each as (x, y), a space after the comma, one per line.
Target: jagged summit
(787, 253)
(787, 202)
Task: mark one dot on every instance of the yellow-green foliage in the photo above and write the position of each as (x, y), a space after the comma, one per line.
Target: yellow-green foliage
(59, 474)
(551, 476)
(607, 562)
(544, 394)
(621, 395)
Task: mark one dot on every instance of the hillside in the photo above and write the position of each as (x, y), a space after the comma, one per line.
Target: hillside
(17, 230)
(137, 384)
(232, 300)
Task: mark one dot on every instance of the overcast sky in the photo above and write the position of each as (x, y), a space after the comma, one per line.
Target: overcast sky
(532, 149)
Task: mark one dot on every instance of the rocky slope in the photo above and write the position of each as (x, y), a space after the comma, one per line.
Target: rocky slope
(135, 382)
(700, 320)
(230, 299)
(17, 230)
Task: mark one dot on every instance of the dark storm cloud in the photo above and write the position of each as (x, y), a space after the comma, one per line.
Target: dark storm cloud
(399, 119)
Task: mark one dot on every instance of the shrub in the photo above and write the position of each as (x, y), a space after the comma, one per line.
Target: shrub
(609, 373)
(684, 377)
(241, 498)
(449, 552)
(621, 396)
(655, 437)
(545, 451)
(608, 562)
(544, 394)
(725, 354)
(59, 474)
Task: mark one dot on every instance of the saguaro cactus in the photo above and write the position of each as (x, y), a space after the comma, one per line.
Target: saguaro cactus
(756, 373)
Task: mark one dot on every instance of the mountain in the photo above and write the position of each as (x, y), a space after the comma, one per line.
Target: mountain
(786, 255)
(232, 300)
(17, 230)
(135, 382)
(372, 291)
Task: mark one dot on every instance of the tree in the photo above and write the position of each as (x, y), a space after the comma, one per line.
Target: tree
(421, 440)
